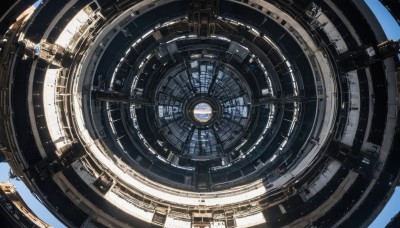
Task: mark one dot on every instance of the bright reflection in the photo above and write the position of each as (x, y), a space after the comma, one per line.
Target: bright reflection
(202, 112)
(72, 28)
(251, 220)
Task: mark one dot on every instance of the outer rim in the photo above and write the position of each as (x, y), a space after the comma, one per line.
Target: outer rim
(103, 174)
(259, 189)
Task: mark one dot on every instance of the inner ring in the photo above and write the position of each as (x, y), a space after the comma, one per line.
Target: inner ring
(195, 131)
(202, 111)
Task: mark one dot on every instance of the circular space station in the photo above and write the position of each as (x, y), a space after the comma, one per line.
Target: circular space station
(201, 113)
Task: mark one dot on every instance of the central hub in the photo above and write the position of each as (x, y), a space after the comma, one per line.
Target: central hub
(203, 112)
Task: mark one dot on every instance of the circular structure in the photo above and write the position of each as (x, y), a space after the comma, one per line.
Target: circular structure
(203, 112)
(190, 135)
(214, 114)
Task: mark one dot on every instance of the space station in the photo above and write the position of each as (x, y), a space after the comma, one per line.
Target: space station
(200, 113)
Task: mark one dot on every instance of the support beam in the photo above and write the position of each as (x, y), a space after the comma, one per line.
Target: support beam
(282, 100)
(203, 16)
(119, 98)
(364, 56)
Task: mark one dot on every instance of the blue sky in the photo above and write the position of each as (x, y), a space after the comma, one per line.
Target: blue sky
(392, 30)
(40, 210)
(37, 3)
(391, 209)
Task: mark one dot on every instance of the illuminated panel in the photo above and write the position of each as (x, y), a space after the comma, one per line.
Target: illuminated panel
(218, 224)
(51, 109)
(354, 112)
(251, 220)
(323, 179)
(129, 208)
(176, 223)
(332, 32)
(73, 27)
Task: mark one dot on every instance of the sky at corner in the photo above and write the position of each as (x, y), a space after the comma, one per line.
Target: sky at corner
(392, 30)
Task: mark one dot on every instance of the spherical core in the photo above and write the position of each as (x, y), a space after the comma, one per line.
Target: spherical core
(203, 112)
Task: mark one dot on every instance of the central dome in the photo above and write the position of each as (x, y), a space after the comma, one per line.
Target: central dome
(202, 108)
(203, 112)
